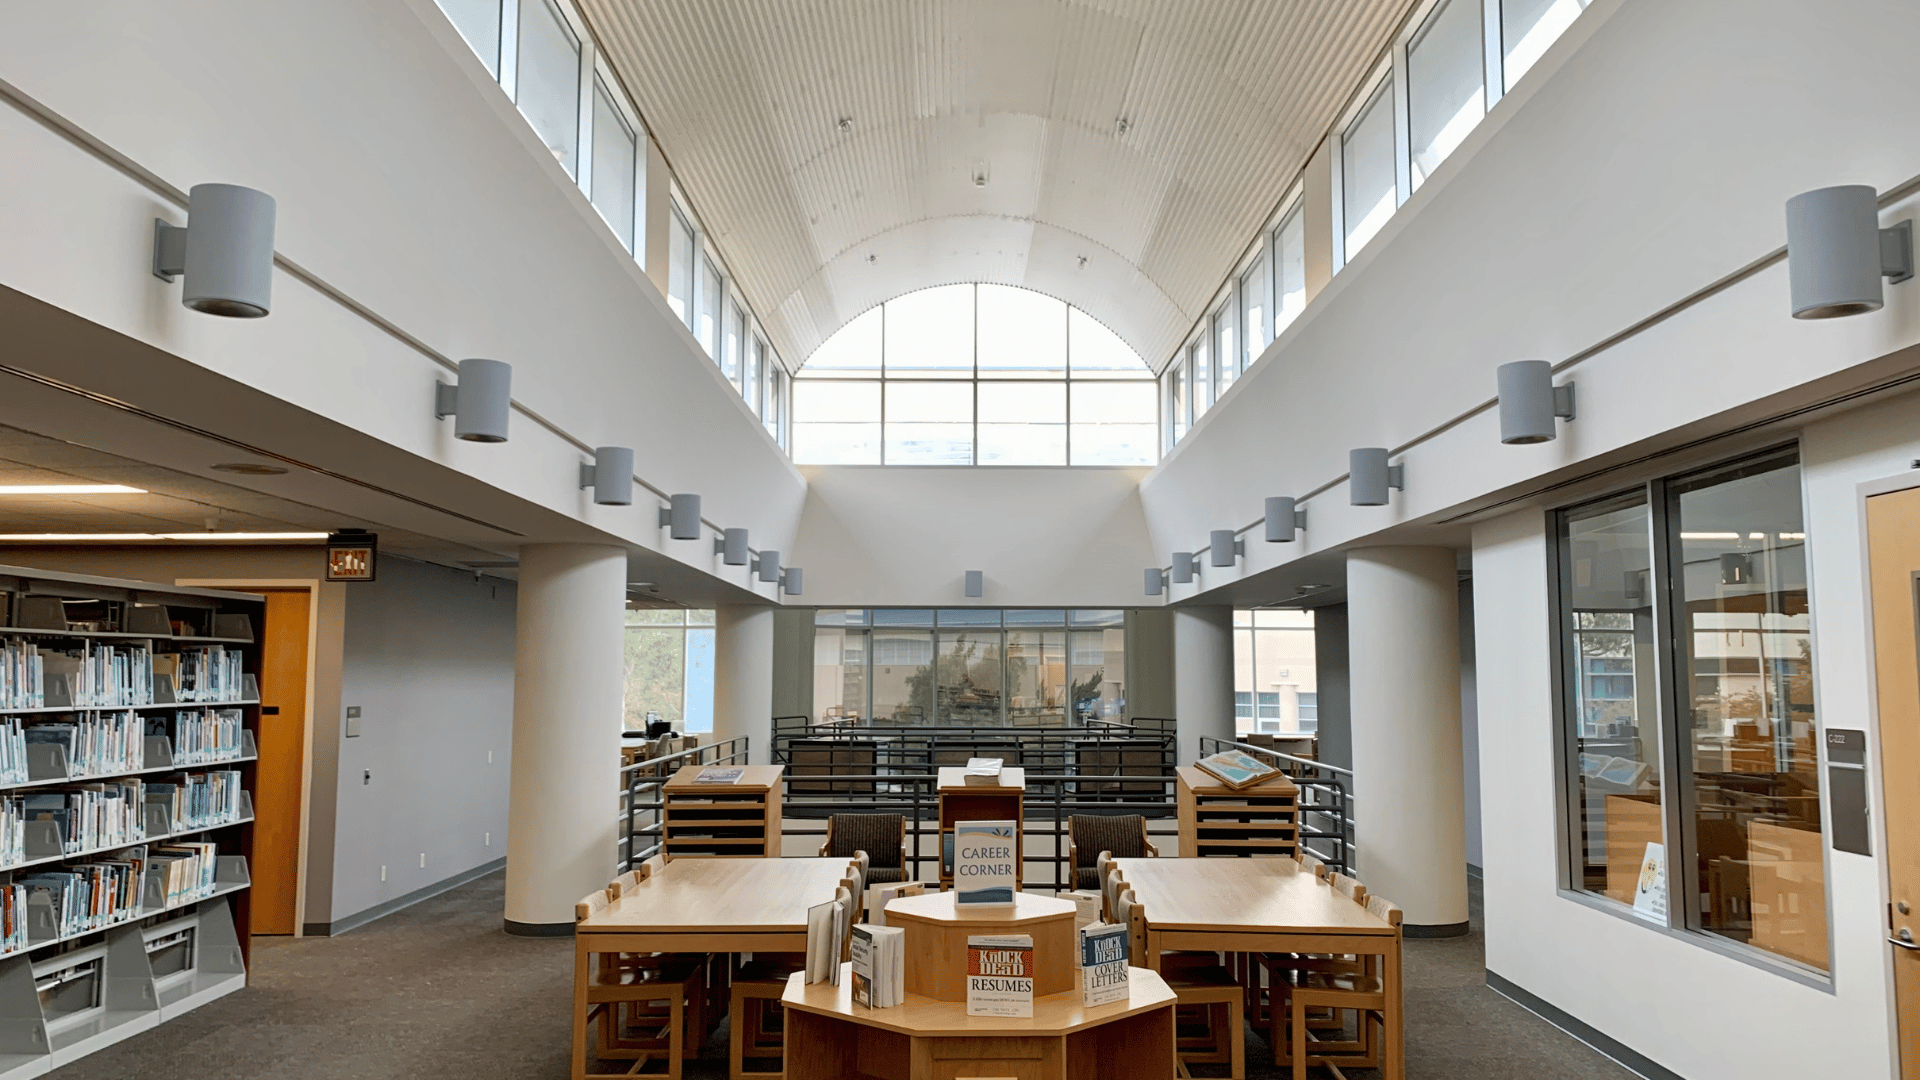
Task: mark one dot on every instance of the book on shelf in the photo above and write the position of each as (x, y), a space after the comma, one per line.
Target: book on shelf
(23, 683)
(186, 870)
(1103, 963)
(879, 966)
(1000, 975)
(13, 751)
(878, 896)
(713, 775)
(90, 816)
(94, 743)
(198, 800)
(1086, 912)
(823, 942)
(13, 918)
(1236, 769)
(986, 868)
(201, 736)
(982, 772)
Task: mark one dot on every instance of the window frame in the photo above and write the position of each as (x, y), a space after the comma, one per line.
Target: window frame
(1673, 680)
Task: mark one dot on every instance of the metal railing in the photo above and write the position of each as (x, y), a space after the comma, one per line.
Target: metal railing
(826, 758)
(1326, 800)
(640, 832)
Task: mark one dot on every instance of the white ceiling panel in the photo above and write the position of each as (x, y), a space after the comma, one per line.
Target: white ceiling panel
(1224, 100)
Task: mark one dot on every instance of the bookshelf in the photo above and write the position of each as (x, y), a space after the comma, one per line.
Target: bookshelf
(1217, 820)
(740, 820)
(129, 720)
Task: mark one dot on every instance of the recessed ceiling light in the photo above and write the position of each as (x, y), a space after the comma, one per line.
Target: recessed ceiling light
(70, 489)
(250, 468)
(191, 537)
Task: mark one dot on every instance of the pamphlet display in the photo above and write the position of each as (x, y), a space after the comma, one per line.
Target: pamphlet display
(1103, 964)
(986, 870)
(1000, 975)
(1650, 891)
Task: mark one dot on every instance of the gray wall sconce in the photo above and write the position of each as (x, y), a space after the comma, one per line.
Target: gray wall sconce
(681, 517)
(976, 583)
(480, 403)
(1156, 581)
(768, 566)
(1283, 517)
(731, 546)
(1530, 403)
(1369, 476)
(1223, 547)
(792, 580)
(1185, 566)
(1837, 253)
(225, 251)
(610, 476)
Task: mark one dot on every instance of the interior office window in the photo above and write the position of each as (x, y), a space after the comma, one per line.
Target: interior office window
(1022, 334)
(731, 345)
(1528, 27)
(680, 267)
(1255, 294)
(1607, 599)
(1112, 422)
(929, 334)
(479, 23)
(1738, 550)
(613, 164)
(1022, 423)
(1226, 357)
(706, 324)
(1446, 83)
(928, 423)
(1290, 270)
(548, 80)
(1368, 195)
(841, 424)
(852, 352)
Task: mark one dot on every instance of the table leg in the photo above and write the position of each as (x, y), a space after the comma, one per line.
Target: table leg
(580, 963)
(1393, 1039)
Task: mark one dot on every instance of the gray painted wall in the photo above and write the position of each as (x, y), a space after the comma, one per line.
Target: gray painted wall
(1150, 662)
(429, 661)
(1330, 672)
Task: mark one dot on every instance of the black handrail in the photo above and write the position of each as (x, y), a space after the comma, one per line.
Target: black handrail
(1325, 814)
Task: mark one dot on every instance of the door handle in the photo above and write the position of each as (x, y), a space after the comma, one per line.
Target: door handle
(1904, 939)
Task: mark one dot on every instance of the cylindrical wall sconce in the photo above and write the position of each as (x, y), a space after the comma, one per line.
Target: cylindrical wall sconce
(731, 545)
(1183, 567)
(1156, 581)
(1529, 402)
(768, 566)
(225, 251)
(681, 517)
(976, 583)
(1223, 546)
(1369, 476)
(1837, 253)
(792, 579)
(480, 403)
(610, 476)
(1283, 517)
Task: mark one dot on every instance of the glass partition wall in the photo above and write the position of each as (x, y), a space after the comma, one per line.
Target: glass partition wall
(1689, 723)
(969, 667)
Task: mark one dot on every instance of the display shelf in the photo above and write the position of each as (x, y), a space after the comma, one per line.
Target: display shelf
(89, 778)
(43, 710)
(961, 801)
(118, 635)
(245, 819)
(1217, 820)
(723, 821)
(220, 889)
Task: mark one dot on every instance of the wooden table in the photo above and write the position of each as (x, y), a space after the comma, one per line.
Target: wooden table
(1265, 905)
(937, 930)
(703, 906)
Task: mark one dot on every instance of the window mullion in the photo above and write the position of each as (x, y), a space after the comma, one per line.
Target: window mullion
(1669, 629)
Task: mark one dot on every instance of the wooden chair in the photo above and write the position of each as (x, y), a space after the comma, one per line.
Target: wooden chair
(1363, 992)
(753, 1001)
(882, 836)
(1121, 836)
(617, 989)
(1310, 861)
(1349, 887)
(1211, 989)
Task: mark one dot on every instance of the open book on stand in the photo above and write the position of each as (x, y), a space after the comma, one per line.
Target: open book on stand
(1236, 769)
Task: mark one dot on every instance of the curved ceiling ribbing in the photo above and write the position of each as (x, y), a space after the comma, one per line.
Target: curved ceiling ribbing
(1224, 101)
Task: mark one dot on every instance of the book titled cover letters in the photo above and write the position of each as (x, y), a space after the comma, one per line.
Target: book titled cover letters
(1000, 975)
(986, 866)
(1103, 964)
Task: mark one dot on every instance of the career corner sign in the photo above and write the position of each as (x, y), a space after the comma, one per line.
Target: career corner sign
(986, 862)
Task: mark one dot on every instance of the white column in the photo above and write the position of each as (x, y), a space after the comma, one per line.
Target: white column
(1202, 675)
(569, 686)
(743, 677)
(1403, 640)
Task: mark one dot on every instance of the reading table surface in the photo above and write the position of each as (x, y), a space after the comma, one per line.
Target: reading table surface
(1013, 779)
(752, 778)
(746, 900)
(1200, 783)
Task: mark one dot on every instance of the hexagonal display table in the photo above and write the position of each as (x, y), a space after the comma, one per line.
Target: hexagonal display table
(937, 930)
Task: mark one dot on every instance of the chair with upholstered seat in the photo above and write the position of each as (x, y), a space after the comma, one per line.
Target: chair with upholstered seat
(882, 836)
(1122, 836)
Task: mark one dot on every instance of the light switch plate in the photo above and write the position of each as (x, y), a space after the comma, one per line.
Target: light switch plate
(353, 721)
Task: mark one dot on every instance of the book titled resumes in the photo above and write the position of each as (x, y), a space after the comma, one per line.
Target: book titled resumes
(986, 868)
(1000, 975)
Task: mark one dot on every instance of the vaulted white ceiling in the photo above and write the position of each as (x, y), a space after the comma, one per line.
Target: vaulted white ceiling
(1223, 101)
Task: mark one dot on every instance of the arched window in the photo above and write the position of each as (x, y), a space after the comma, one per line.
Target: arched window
(975, 375)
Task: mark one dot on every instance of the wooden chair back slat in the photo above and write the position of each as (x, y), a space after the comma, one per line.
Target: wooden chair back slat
(1349, 887)
(1386, 909)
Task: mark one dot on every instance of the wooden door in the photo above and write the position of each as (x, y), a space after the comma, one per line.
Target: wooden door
(1893, 538)
(282, 768)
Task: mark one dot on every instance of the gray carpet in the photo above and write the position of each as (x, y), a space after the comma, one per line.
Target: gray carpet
(438, 990)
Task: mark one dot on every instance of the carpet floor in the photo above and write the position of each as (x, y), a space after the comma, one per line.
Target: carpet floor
(438, 990)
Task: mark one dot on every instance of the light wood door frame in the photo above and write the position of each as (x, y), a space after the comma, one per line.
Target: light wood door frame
(312, 588)
(1905, 1034)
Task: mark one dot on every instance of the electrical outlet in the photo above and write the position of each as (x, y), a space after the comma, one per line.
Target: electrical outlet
(489, 841)
(383, 873)
(423, 860)
(489, 757)
(366, 777)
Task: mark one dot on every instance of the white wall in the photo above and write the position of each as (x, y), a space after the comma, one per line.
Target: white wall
(877, 536)
(429, 661)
